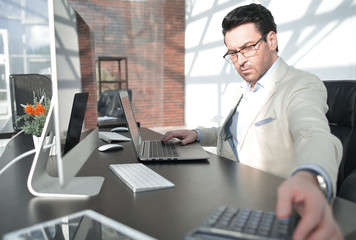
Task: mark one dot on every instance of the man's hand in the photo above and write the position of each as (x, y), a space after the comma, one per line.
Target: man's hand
(186, 136)
(316, 219)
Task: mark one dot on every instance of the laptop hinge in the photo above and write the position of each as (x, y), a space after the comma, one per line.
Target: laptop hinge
(143, 148)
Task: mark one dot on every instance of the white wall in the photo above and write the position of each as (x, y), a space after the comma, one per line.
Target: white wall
(318, 36)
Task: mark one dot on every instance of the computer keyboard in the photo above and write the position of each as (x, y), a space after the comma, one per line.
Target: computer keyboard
(160, 149)
(139, 177)
(110, 137)
(234, 223)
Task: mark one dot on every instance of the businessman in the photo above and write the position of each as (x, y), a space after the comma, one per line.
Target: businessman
(277, 123)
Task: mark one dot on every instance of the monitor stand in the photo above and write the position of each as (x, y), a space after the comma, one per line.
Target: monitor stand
(40, 183)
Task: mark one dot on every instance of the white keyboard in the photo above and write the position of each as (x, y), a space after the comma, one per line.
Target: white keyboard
(139, 177)
(110, 137)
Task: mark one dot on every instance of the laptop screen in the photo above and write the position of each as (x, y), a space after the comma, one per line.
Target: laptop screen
(131, 121)
(76, 121)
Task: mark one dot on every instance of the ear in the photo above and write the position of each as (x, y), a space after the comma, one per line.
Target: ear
(272, 40)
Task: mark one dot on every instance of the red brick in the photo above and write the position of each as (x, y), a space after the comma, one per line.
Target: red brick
(151, 35)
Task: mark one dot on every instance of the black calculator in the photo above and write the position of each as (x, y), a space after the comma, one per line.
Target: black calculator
(236, 223)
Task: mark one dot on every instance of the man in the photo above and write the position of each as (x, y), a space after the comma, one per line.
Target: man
(277, 124)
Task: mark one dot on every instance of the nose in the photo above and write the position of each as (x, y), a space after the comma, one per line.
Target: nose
(241, 59)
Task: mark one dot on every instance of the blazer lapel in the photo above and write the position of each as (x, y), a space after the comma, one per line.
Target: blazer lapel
(255, 110)
(264, 96)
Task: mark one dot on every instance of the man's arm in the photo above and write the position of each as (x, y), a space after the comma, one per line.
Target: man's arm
(314, 144)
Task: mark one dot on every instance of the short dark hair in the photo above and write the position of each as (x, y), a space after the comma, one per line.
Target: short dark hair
(252, 13)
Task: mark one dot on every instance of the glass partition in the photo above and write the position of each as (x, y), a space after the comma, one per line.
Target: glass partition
(24, 45)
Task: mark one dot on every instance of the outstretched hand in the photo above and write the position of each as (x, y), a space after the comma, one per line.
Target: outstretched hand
(316, 218)
(186, 136)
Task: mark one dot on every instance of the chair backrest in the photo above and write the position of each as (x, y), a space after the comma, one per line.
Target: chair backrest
(342, 121)
(22, 87)
(109, 103)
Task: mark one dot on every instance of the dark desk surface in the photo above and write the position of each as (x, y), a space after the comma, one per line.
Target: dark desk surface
(163, 214)
(7, 129)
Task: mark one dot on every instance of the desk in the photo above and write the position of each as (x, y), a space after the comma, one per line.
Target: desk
(163, 214)
(7, 129)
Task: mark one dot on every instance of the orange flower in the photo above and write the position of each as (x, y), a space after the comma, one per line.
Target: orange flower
(29, 109)
(39, 110)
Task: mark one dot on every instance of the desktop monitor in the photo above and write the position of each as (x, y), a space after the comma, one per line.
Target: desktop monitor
(66, 81)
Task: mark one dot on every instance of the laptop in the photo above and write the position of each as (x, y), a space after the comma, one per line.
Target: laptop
(145, 150)
(75, 122)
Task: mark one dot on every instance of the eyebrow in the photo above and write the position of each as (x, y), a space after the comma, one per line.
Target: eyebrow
(243, 46)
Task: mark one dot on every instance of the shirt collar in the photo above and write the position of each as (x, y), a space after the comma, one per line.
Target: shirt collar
(246, 86)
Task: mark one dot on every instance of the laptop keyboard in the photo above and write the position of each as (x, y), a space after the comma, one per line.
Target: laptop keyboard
(160, 149)
(235, 223)
(139, 177)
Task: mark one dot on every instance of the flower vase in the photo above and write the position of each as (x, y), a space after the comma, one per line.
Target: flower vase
(36, 143)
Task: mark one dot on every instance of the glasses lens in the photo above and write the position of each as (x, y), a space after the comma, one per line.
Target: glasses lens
(228, 58)
(248, 51)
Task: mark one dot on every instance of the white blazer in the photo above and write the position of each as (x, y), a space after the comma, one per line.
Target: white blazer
(286, 129)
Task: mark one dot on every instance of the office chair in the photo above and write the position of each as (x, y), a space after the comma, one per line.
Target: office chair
(342, 121)
(22, 87)
(109, 103)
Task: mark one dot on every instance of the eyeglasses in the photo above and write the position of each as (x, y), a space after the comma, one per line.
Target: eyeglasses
(247, 51)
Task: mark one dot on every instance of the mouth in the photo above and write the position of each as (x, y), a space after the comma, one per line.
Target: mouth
(245, 70)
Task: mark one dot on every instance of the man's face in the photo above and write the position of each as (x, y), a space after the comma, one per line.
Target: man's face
(251, 69)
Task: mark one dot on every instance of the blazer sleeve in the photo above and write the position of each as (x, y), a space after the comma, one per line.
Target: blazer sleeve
(209, 136)
(313, 141)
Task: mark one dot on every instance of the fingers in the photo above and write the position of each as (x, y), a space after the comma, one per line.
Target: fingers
(290, 196)
(190, 136)
(311, 215)
(186, 136)
(328, 230)
(325, 228)
(167, 136)
(284, 202)
(316, 220)
(172, 134)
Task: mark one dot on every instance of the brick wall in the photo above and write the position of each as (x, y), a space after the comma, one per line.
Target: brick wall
(151, 35)
(87, 67)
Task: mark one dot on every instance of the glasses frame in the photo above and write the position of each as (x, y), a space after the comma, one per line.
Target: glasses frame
(243, 53)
